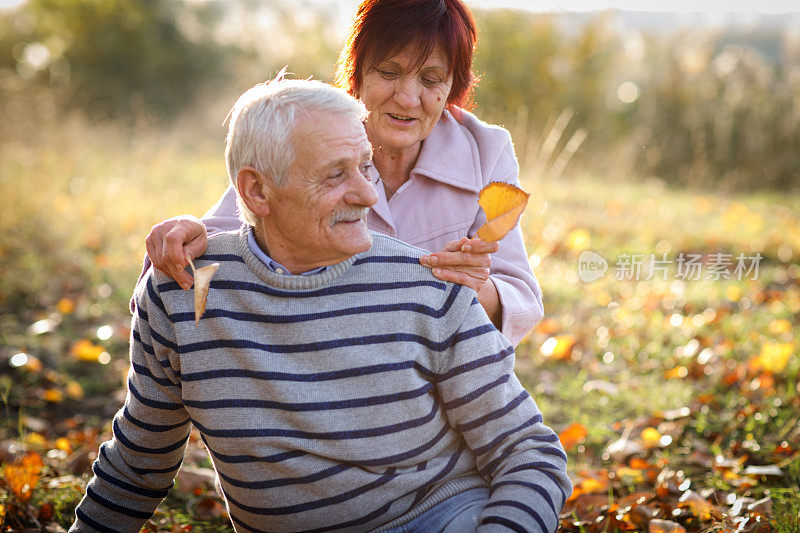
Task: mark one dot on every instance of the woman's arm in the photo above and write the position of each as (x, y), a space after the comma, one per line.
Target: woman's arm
(171, 241)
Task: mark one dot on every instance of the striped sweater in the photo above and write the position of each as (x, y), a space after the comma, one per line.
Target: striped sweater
(353, 399)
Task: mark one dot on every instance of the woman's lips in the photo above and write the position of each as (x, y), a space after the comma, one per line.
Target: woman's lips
(404, 120)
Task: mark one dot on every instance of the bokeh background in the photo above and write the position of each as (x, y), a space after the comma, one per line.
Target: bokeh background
(638, 133)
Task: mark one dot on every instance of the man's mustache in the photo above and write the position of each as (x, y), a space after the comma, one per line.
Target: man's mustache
(350, 214)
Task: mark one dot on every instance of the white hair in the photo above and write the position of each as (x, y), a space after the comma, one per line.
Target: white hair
(262, 121)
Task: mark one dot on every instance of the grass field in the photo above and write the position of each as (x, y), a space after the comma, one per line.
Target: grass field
(676, 399)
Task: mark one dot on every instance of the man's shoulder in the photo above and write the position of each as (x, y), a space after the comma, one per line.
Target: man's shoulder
(225, 243)
(383, 244)
(396, 261)
(395, 258)
(149, 289)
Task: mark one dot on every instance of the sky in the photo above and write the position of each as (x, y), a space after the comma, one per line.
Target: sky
(711, 6)
(743, 6)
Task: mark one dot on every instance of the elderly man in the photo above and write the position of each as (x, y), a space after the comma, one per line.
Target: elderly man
(335, 382)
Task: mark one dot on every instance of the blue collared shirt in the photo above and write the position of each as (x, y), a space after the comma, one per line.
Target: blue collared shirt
(272, 264)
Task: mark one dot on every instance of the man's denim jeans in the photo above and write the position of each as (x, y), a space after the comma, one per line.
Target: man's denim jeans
(457, 514)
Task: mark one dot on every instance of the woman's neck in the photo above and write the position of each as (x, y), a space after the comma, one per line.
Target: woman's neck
(394, 166)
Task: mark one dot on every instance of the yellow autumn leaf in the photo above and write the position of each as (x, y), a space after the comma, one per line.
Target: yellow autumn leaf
(65, 306)
(53, 396)
(74, 390)
(774, 356)
(548, 326)
(650, 437)
(590, 485)
(573, 435)
(22, 478)
(33, 364)
(697, 505)
(776, 327)
(630, 475)
(730, 475)
(503, 204)
(558, 347)
(36, 440)
(63, 445)
(202, 283)
(85, 350)
(733, 293)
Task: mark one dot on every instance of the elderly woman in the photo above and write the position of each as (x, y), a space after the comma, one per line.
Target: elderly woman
(409, 61)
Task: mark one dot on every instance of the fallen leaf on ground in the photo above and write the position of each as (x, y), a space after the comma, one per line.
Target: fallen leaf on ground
(65, 306)
(766, 470)
(53, 396)
(642, 515)
(548, 326)
(503, 204)
(573, 435)
(621, 449)
(74, 390)
(209, 508)
(86, 350)
(650, 437)
(22, 478)
(558, 347)
(698, 506)
(773, 357)
(762, 506)
(46, 511)
(664, 526)
(673, 414)
(191, 478)
(601, 385)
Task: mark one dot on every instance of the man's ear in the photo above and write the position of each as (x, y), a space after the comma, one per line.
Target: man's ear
(255, 190)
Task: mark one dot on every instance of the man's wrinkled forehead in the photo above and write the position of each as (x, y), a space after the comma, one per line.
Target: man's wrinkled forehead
(331, 138)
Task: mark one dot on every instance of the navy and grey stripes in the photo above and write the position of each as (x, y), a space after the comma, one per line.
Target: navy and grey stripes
(368, 392)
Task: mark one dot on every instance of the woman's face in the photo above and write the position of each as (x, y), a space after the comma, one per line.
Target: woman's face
(405, 103)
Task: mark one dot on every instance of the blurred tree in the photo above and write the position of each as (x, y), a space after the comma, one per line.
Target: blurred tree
(519, 60)
(698, 107)
(590, 57)
(535, 66)
(293, 33)
(118, 57)
(730, 119)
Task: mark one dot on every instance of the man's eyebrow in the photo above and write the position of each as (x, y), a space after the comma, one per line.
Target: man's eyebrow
(343, 161)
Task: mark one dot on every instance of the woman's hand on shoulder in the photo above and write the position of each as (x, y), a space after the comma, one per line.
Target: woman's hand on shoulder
(466, 262)
(169, 242)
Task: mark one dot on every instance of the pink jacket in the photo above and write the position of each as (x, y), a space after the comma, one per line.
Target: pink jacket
(440, 204)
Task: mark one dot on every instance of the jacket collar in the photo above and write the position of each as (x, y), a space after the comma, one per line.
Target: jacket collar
(381, 207)
(448, 155)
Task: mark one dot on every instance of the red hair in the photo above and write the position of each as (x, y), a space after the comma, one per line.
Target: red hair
(382, 28)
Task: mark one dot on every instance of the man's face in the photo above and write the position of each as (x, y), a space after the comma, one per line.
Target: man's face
(318, 216)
